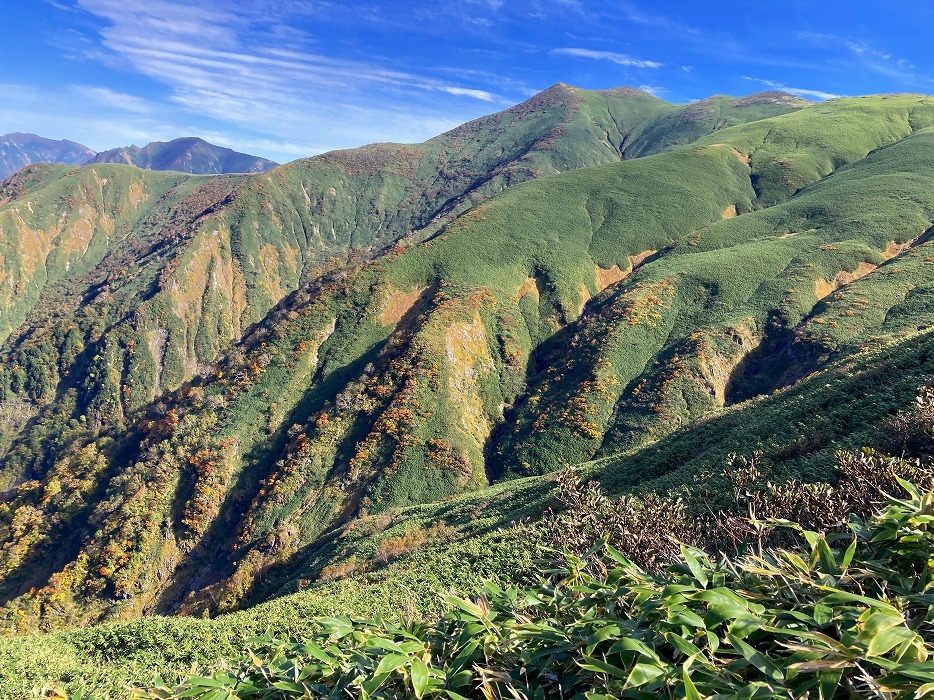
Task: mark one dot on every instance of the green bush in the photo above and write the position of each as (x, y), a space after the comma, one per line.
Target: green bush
(839, 615)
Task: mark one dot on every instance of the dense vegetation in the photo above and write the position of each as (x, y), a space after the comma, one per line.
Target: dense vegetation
(143, 281)
(649, 530)
(216, 391)
(838, 616)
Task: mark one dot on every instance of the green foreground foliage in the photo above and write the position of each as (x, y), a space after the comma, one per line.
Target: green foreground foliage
(833, 616)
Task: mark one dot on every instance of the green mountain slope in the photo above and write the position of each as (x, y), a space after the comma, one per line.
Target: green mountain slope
(122, 284)
(109, 658)
(363, 331)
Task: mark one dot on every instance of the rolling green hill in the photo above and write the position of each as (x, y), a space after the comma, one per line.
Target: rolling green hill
(121, 284)
(218, 390)
(106, 660)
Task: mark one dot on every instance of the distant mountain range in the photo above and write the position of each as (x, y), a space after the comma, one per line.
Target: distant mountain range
(18, 150)
(188, 155)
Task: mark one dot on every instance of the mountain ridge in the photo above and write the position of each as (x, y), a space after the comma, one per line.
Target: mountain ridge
(297, 352)
(19, 149)
(186, 154)
(189, 154)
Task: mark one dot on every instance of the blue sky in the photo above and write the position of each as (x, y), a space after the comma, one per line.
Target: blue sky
(289, 78)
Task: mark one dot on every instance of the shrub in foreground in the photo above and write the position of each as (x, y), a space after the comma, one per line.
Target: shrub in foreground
(845, 615)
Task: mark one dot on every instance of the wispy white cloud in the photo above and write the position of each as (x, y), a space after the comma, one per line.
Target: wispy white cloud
(653, 90)
(658, 21)
(467, 92)
(800, 92)
(242, 62)
(619, 58)
(111, 99)
(870, 57)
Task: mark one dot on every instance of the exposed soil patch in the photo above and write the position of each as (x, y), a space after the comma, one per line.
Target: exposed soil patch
(615, 274)
(398, 304)
(639, 258)
(729, 212)
(824, 287)
(607, 277)
(743, 158)
(531, 286)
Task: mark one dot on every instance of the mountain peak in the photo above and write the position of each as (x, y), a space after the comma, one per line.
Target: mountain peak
(190, 154)
(18, 149)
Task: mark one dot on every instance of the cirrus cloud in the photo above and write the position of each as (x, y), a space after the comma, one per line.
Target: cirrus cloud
(618, 58)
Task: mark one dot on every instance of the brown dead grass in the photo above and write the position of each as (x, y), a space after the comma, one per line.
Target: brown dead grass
(398, 304)
(531, 285)
(605, 278)
(824, 287)
(137, 194)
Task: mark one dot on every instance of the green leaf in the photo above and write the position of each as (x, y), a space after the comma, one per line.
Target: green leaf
(745, 624)
(756, 658)
(683, 645)
(828, 682)
(687, 618)
(848, 554)
(385, 644)
(838, 596)
(419, 673)
(874, 623)
(694, 565)
(289, 686)
(599, 666)
(723, 603)
(642, 674)
(601, 635)
(372, 684)
(887, 640)
(390, 663)
(630, 644)
(317, 652)
(825, 555)
(909, 487)
(690, 690)
(202, 682)
(337, 627)
(823, 614)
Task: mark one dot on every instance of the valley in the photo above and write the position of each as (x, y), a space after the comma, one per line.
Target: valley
(337, 385)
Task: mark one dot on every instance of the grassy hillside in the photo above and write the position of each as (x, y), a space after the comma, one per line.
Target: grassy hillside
(431, 346)
(105, 660)
(121, 284)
